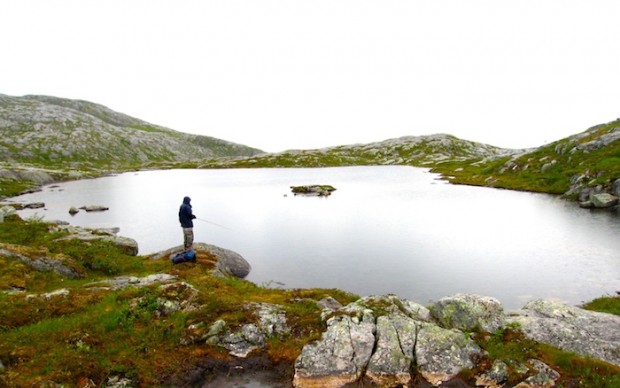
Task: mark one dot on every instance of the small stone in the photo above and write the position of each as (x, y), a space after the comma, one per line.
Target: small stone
(603, 200)
(34, 205)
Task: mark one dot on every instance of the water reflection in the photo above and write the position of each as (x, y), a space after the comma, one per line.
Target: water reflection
(385, 230)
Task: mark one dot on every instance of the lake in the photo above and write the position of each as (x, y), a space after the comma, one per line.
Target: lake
(387, 229)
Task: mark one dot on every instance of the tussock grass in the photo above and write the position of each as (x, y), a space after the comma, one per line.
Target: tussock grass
(605, 304)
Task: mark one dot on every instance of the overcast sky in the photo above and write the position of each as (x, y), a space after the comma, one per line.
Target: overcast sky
(286, 74)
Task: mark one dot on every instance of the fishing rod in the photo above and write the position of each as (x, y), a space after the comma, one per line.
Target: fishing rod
(213, 223)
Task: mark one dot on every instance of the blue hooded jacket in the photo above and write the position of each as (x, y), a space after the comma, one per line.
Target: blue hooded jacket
(185, 214)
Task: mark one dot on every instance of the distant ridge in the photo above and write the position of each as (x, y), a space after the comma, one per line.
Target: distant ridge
(52, 131)
(428, 150)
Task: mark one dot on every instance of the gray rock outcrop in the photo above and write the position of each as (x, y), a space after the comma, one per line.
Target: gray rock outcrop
(469, 312)
(581, 331)
(41, 263)
(121, 282)
(127, 245)
(384, 348)
(381, 339)
(270, 322)
(342, 354)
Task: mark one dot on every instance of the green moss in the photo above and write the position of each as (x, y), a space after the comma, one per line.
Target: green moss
(13, 187)
(605, 304)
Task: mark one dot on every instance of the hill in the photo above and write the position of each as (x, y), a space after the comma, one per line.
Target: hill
(55, 132)
(408, 150)
(572, 166)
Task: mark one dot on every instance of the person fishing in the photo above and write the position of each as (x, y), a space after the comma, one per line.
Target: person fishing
(185, 218)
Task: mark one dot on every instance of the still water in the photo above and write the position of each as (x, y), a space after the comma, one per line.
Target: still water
(389, 229)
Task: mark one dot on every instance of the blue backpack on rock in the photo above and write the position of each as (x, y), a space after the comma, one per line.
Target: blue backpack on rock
(183, 257)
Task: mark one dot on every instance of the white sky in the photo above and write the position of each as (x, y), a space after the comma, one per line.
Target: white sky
(284, 74)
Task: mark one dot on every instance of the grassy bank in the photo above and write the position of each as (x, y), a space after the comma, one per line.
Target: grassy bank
(584, 160)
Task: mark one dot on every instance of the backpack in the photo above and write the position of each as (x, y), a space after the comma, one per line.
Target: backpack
(183, 257)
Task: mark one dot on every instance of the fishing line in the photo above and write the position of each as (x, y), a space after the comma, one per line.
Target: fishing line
(213, 223)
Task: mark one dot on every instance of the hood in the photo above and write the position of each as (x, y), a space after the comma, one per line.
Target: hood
(186, 200)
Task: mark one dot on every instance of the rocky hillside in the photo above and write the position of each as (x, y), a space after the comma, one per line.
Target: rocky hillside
(409, 150)
(576, 166)
(56, 132)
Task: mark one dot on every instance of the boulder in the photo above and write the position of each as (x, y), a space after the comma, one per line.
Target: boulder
(391, 361)
(73, 210)
(340, 356)
(615, 188)
(229, 263)
(469, 312)
(441, 353)
(584, 332)
(603, 200)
